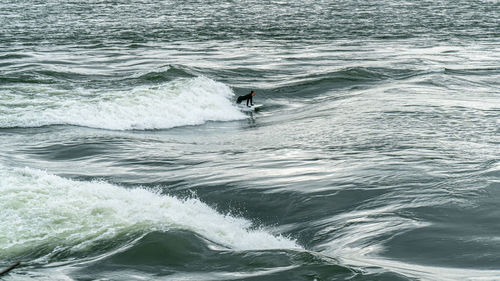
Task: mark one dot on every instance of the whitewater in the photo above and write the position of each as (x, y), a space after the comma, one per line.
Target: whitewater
(181, 102)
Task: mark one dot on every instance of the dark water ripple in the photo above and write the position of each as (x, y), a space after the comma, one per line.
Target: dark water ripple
(99, 22)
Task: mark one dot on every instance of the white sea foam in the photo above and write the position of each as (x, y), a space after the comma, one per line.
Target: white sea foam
(178, 103)
(40, 210)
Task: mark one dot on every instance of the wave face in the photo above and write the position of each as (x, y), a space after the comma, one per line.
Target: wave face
(181, 102)
(86, 230)
(45, 216)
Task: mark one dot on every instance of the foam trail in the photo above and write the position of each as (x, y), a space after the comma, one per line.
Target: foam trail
(40, 210)
(181, 102)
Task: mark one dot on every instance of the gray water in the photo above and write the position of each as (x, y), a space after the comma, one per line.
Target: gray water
(375, 156)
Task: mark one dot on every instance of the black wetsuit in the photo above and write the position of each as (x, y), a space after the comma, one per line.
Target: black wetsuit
(248, 97)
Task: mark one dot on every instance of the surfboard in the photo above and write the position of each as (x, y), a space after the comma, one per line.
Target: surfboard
(254, 107)
(9, 268)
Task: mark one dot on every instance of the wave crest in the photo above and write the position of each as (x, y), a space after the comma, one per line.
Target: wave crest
(181, 102)
(44, 214)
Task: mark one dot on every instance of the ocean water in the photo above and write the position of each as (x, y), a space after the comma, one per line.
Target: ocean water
(375, 156)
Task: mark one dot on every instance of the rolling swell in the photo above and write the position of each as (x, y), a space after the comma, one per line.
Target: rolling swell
(171, 252)
(67, 69)
(166, 74)
(347, 78)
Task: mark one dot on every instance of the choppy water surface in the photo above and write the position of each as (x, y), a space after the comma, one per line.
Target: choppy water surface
(375, 156)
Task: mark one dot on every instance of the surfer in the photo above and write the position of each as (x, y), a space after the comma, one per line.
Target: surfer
(248, 98)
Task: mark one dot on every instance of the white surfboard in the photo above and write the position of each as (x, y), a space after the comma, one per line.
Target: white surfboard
(254, 107)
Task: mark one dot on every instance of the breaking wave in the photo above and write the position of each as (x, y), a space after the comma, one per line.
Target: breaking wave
(181, 102)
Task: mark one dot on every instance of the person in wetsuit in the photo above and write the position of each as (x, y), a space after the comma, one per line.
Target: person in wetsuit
(248, 98)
